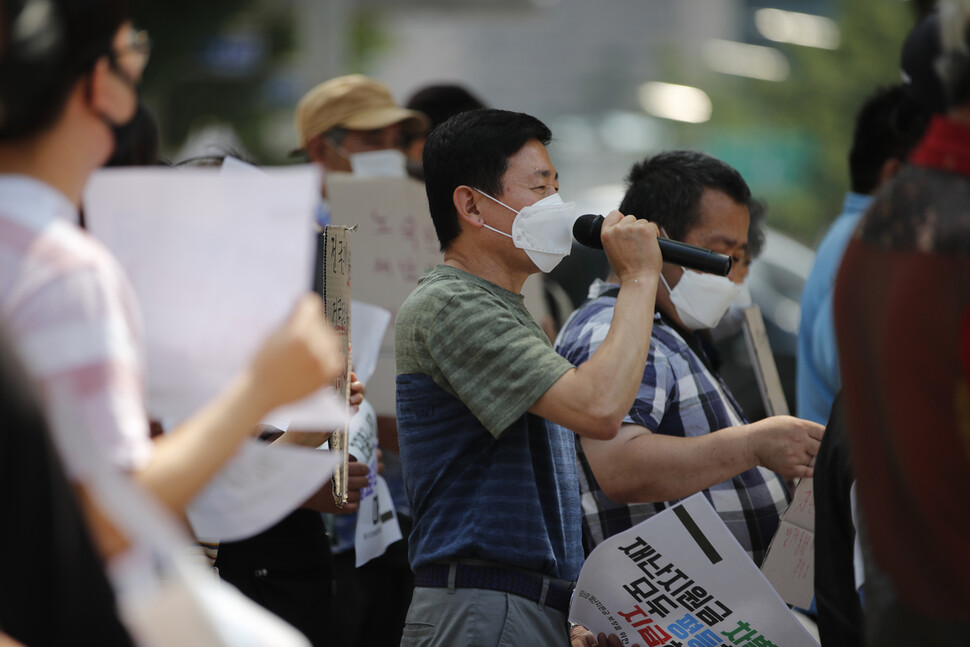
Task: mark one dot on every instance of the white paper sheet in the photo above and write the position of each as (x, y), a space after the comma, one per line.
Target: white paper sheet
(262, 484)
(368, 323)
(217, 259)
(377, 524)
(325, 410)
(681, 575)
(235, 165)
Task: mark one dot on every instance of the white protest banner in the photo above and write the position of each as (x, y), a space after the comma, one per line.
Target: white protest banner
(680, 579)
(377, 524)
(790, 562)
(217, 260)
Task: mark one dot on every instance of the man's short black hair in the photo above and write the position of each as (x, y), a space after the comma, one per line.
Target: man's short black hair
(757, 214)
(473, 149)
(439, 102)
(667, 189)
(887, 127)
(46, 47)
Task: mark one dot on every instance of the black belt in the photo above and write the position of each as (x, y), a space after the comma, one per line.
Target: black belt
(460, 575)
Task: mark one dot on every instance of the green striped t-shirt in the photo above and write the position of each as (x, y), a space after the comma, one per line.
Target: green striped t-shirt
(477, 341)
(485, 479)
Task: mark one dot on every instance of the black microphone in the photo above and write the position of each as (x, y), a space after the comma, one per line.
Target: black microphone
(586, 230)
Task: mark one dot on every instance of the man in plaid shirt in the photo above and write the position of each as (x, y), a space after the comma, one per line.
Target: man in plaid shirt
(685, 433)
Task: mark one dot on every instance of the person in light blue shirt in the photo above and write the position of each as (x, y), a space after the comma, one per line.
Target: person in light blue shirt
(817, 376)
(887, 126)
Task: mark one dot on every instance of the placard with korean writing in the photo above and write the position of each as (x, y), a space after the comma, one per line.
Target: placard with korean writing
(336, 298)
(394, 244)
(790, 562)
(680, 579)
(377, 525)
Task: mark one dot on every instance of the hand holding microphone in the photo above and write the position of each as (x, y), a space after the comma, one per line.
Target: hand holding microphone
(587, 230)
(631, 246)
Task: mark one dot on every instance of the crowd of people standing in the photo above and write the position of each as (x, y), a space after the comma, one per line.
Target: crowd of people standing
(512, 453)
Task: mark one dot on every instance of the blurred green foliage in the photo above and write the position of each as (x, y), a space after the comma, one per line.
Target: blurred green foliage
(368, 39)
(220, 61)
(210, 63)
(790, 139)
(797, 133)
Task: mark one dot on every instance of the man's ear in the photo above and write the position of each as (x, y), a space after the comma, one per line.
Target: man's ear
(316, 149)
(466, 205)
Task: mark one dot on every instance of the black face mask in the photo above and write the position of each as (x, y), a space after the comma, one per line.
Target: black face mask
(136, 142)
(124, 134)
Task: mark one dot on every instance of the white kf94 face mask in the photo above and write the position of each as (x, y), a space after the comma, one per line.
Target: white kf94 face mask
(701, 299)
(544, 230)
(733, 320)
(382, 163)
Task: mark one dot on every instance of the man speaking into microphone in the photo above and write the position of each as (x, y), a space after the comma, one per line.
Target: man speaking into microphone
(685, 433)
(489, 473)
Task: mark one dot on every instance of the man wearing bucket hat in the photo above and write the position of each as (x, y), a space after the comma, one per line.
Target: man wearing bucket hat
(349, 115)
(338, 121)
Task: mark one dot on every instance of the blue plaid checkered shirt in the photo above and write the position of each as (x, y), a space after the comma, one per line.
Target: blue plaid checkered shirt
(678, 396)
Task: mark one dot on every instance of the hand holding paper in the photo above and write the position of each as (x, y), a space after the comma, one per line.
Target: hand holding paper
(681, 575)
(580, 636)
(299, 357)
(356, 390)
(786, 445)
(357, 480)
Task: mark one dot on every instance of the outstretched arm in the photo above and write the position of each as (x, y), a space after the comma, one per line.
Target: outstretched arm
(638, 466)
(296, 360)
(593, 399)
